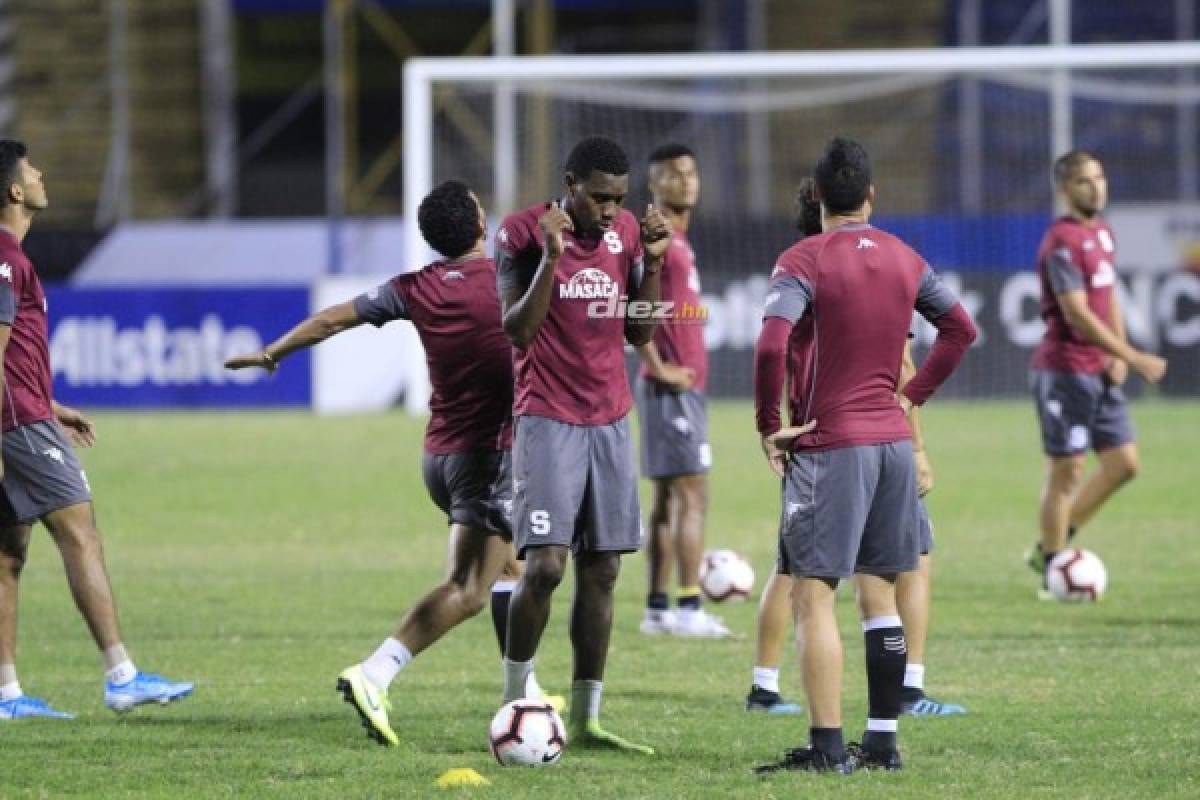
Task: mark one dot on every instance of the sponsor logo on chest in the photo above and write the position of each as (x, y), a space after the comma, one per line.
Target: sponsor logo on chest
(588, 283)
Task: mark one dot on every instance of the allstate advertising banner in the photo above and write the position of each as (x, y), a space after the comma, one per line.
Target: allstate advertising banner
(160, 348)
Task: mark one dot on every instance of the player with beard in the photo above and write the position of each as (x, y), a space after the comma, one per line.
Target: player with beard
(1079, 366)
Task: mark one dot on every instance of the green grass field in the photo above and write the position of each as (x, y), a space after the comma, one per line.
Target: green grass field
(258, 554)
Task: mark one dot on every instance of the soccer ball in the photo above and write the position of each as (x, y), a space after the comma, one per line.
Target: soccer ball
(725, 576)
(1077, 576)
(528, 733)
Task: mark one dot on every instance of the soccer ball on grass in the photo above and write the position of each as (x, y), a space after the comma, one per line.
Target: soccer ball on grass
(527, 733)
(1077, 576)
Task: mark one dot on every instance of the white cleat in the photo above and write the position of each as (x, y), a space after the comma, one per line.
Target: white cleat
(657, 623)
(699, 625)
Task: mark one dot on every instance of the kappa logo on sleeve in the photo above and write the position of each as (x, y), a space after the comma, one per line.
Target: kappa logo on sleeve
(502, 235)
(864, 243)
(6, 272)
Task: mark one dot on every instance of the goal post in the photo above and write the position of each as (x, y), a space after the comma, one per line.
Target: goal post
(969, 188)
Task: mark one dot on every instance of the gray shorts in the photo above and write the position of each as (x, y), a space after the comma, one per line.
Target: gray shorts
(854, 509)
(674, 428)
(1078, 411)
(41, 474)
(473, 488)
(926, 528)
(575, 485)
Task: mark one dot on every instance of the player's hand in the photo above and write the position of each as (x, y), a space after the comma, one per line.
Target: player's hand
(259, 359)
(924, 472)
(675, 377)
(1117, 371)
(1150, 367)
(655, 232)
(553, 223)
(775, 446)
(79, 428)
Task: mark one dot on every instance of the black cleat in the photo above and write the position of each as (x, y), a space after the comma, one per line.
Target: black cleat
(807, 759)
(863, 758)
(760, 699)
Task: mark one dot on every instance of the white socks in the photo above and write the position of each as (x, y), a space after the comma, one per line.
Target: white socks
(516, 679)
(121, 674)
(914, 676)
(9, 688)
(385, 663)
(585, 702)
(767, 678)
(504, 585)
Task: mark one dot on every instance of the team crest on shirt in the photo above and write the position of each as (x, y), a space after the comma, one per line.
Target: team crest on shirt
(454, 275)
(1106, 240)
(864, 243)
(588, 284)
(6, 272)
(1105, 275)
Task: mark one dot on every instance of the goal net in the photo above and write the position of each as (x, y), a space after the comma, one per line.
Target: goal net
(961, 142)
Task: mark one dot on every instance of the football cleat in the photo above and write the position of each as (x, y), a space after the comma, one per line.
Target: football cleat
(146, 687)
(25, 706)
(555, 701)
(699, 625)
(808, 759)
(863, 758)
(370, 702)
(657, 622)
(760, 699)
(1035, 558)
(592, 735)
(928, 707)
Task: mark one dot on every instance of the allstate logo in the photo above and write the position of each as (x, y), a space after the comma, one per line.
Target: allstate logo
(588, 284)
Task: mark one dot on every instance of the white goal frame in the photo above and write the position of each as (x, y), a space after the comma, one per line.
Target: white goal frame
(420, 75)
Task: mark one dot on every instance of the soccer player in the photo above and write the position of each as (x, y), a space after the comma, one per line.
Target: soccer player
(567, 272)
(1082, 360)
(912, 588)
(674, 419)
(836, 322)
(42, 478)
(452, 303)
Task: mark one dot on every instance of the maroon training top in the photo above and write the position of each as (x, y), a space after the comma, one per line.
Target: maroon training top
(680, 339)
(28, 395)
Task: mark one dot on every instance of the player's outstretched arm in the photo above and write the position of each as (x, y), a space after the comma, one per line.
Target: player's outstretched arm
(656, 237)
(1084, 321)
(314, 330)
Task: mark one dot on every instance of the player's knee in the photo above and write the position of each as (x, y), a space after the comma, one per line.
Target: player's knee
(544, 572)
(695, 495)
(1127, 468)
(601, 573)
(472, 599)
(12, 561)
(1066, 475)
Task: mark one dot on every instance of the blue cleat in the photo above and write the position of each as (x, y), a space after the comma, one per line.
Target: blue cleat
(25, 706)
(928, 707)
(146, 687)
(760, 699)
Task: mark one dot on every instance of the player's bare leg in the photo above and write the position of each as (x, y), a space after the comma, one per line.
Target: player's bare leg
(528, 612)
(914, 598)
(14, 548)
(660, 557)
(689, 507)
(885, 649)
(74, 532)
(591, 628)
(14, 703)
(819, 647)
(1063, 476)
(476, 560)
(1116, 467)
(774, 622)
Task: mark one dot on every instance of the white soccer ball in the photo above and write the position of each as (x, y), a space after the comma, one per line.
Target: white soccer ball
(725, 576)
(1077, 576)
(527, 733)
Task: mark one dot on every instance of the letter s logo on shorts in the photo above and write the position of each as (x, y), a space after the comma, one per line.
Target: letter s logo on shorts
(539, 522)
